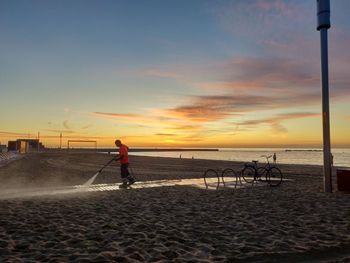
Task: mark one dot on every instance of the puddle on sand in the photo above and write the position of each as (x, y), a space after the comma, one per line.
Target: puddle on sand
(49, 191)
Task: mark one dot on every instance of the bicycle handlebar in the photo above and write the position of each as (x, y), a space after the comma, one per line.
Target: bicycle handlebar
(267, 157)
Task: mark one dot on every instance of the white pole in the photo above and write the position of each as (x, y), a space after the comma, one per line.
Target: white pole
(61, 140)
(38, 141)
(323, 24)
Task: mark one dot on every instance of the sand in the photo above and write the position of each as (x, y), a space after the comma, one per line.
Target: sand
(295, 222)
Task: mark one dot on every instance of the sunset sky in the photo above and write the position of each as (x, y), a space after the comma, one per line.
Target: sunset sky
(188, 73)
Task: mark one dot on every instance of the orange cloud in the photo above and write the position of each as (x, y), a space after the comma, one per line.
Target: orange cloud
(16, 134)
(165, 134)
(59, 131)
(117, 115)
(214, 108)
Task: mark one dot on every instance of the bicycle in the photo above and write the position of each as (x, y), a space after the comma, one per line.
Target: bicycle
(274, 175)
(252, 173)
(269, 173)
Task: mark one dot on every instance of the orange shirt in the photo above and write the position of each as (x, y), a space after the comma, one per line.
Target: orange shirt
(123, 150)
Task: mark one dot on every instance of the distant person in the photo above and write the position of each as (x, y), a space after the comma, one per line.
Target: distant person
(332, 159)
(180, 156)
(274, 158)
(123, 157)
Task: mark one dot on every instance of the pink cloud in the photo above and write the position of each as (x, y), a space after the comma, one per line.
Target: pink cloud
(279, 118)
(275, 121)
(205, 109)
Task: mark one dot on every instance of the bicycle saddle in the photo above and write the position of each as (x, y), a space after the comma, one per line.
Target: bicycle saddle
(254, 161)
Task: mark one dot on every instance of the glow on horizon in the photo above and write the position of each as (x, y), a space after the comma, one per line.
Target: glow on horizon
(182, 74)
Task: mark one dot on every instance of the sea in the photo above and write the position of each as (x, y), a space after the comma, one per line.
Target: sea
(341, 156)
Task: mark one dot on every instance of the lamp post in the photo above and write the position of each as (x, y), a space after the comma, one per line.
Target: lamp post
(323, 24)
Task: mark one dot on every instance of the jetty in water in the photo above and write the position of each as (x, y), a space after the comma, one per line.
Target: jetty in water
(111, 150)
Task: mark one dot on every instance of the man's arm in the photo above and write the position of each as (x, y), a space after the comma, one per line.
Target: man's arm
(118, 157)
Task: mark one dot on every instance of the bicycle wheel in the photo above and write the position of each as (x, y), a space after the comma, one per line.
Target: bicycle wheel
(211, 179)
(262, 174)
(248, 173)
(229, 177)
(274, 176)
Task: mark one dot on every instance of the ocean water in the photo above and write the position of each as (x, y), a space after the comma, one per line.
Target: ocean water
(341, 157)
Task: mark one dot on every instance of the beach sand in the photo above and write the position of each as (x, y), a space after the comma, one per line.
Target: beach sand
(295, 222)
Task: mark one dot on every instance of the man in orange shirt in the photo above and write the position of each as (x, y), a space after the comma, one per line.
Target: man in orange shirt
(123, 157)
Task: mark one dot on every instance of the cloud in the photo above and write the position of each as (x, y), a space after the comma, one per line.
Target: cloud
(61, 131)
(279, 117)
(70, 136)
(155, 118)
(117, 115)
(161, 73)
(224, 86)
(186, 127)
(250, 74)
(165, 134)
(270, 71)
(15, 134)
(130, 118)
(214, 108)
(86, 127)
(164, 121)
(65, 125)
(252, 19)
(278, 128)
(275, 121)
(87, 137)
(198, 113)
(252, 84)
(242, 85)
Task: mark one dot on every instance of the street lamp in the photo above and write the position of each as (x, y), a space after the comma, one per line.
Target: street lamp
(323, 24)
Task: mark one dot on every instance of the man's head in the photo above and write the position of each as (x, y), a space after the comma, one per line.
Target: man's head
(118, 143)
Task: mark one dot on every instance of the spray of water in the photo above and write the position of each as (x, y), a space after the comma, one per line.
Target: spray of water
(91, 180)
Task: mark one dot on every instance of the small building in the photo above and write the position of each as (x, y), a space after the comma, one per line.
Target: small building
(25, 145)
(12, 146)
(3, 148)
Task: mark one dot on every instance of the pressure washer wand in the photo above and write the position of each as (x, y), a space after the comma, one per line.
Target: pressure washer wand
(106, 165)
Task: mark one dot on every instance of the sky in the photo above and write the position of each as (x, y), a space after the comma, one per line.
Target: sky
(185, 73)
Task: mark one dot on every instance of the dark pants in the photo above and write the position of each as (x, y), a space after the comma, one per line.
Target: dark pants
(124, 172)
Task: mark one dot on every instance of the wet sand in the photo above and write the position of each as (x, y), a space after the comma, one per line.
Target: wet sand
(295, 222)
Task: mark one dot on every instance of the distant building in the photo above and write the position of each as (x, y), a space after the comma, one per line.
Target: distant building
(3, 148)
(25, 145)
(12, 146)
